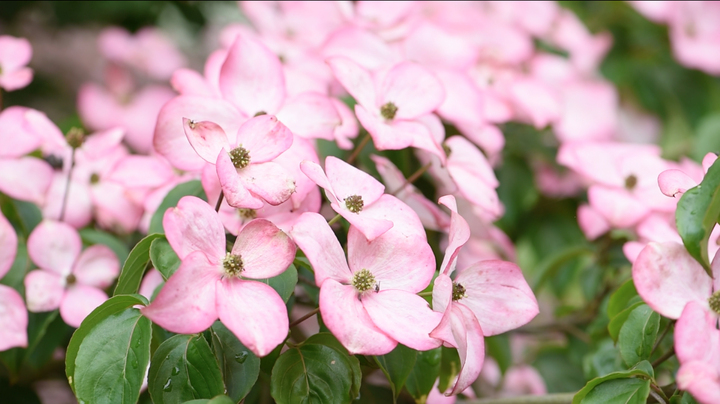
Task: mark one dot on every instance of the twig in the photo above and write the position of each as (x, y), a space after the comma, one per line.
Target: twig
(358, 148)
(669, 354)
(334, 220)
(412, 178)
(657, 343)
(557, 398)
(219, 201)
(305, 317)
(67, 186)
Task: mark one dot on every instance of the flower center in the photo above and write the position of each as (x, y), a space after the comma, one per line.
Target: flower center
(447, 150)
(458, 292)
(388, 110)
(247, 213)
(354, 203)
(630, 182)
(55, 162)
(363, 281)
(94, 178)
(714, 302)
(233, 264)
(70, 280)
(259, 113)
(240, 157)
(75, 137)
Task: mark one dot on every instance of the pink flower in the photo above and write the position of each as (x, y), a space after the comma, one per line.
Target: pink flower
(15, 53)
(148, 51)
(13, 315)
(369, 301)
(67, 279)
(212, 283)
(697, 346)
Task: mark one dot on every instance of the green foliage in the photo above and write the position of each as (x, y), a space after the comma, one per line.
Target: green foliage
(397, 366)
(163, 257)
(423, 374)
(284, 283)
(134, 267)
(193, 188)
(638, 334)
(633, 385)
(239, 366)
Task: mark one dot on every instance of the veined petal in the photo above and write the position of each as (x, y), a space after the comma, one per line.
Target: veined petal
(266, 251)
(356, 80)
(43, 290)
(186, 304)
(234, 190)
(413, 89)
(269, 181)
(347, 319)
(458, 235)
(673, 182)
(316, 174)
(315, 238)
(194, 226)
(311, 115)
(13, 319)
(471, 346)
(78, 302)
(442, 293)
(700, 379)
(254, 312)
(347, 180)
(8, 245)
(207, 138)
(264, 137)
(97, 266)
(26, 179)
(696, 335)
(404, 316)
(54, 246)
(369, 226)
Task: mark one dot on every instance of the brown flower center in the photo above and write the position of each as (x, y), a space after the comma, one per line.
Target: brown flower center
(388, 110)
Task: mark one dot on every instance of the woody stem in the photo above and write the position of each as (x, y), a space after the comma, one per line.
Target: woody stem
(305, 317)
(67, 186)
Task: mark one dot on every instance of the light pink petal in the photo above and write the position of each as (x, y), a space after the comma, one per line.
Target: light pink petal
(15, 134)
(43, 290)
(194, 226)
(701, 379)
(26, 178)
(498, 295)
(405, 317)
(523, 380)
(632, 250)
(14, 52)
(348, 127)
(617, 206)
(535, 102)
(458, 235)
(266, 251)
(97, 266)
(487, 137)
(264, 137)
(444, 331)
(667, 278)
(470, 344)
(413, 89)
(207, 138)
(372, 222)
(315, 238)
(310, 115)
(347, 180)
(317, 175)
(269, 181)
(54, 246)
(463, 100)
(115, 208)
(17, 79)
(464, 156)
(190, 82)
(13, 319)
(78, 302)
(252, 77)
(696, 335)
(254, 312)
(361, 46)
(186, 304)
(708, 161)
(442, 293)
(8, 245)
(431, 45)
(387, 137)
(673, 182)
(152, 279)
(343, 313)
(356, 80)
(78, 209)
(236, 194)
(592, 223)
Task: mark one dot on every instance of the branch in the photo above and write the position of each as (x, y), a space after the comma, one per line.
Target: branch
(557, 398)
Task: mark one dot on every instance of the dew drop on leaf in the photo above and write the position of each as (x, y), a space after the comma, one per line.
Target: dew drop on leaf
(241, 357)
(175, 371)
(168, 385)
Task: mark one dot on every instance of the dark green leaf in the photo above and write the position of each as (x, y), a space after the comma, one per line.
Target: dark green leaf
(498, 346)
(239, 366)
(163, 257)
(329, 340)
(112, 359)
(24, 216)
(697, 213)
(449, 367)
(17, 393)
(707, 137)
(311, 373)
(111, 306)
(15, 276)
(397, 366)
(620, 298)
(284, 283)
(618, 321)
(134, 268)
(638, 334)
(619, 391)
(424, 373)
(184, 368)
(193, 188)
(581, 395)
(215, 400)
(94, 236)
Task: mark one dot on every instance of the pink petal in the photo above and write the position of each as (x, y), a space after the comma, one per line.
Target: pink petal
(347, 180)
(442, 293)
(17, 79)
(471, 346)
(78, 302)
(190, 82)
(14, 133)
(252, 77)
(13, 319)
(150, 282)
(186, 304)
(464, 156)
(26, 179)
(458, 235)
(114, 207)
(269, 181)
(315, 238)
(142, 171)
(696, 335)
(591, 222)
(236, 194)
(463, 100)
(207, 138)
(632, 250)
(254, 312)
(708, 161)
(403, 316)
(54, 246)
(194, 226)
(78, 209)
(348, 127)
(356, 80)
(498, 295)
(700, 379)
(43, 290)
(14, 52)
(673, 182)
(264, 137)
(372, 222)
(8, 245)
(617, 206)
(394, 136)
(310, 115)
(667, 278)
(317, 175)
(343, 313)
(266, 251)
(97, 266)
(413, 89)
(361, 47)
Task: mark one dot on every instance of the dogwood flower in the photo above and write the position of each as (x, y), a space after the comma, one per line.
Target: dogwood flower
(15, 53)
(13, 315)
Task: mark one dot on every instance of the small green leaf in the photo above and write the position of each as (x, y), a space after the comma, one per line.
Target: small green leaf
(580, 397)
(423, 375)
(619, 391)
(638, 334)
(239, 366)
(163, 257)
(327, 339)
(618, 321)
(94, 236)
(284, 283)
(114, 305)
(397, 366)
(134, 268)
(193, 188)
(215, 400)
(449, 367)
(184, 368)
(24, 216)
(619, 300)
(112, 359)
(15, 276)
(697, 213)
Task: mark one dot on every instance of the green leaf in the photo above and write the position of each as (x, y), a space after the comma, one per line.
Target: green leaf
(134, 268)
(184, 368)
(397, 366)
(423, 375)
(618, 321)
(697, 213)
(619, 391)
(24, 216)
(707, 137)
(580, 397)
(193, 188)
(114, 305)
(619, 300)
(284, 283)
(311, 373)
(638, 334)
(163, 257)
(498, 346)
(449, 367)
(239, 366)
(94, 236)
(15, 276)
(215, 400)
(112, 359)
(327, 339)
